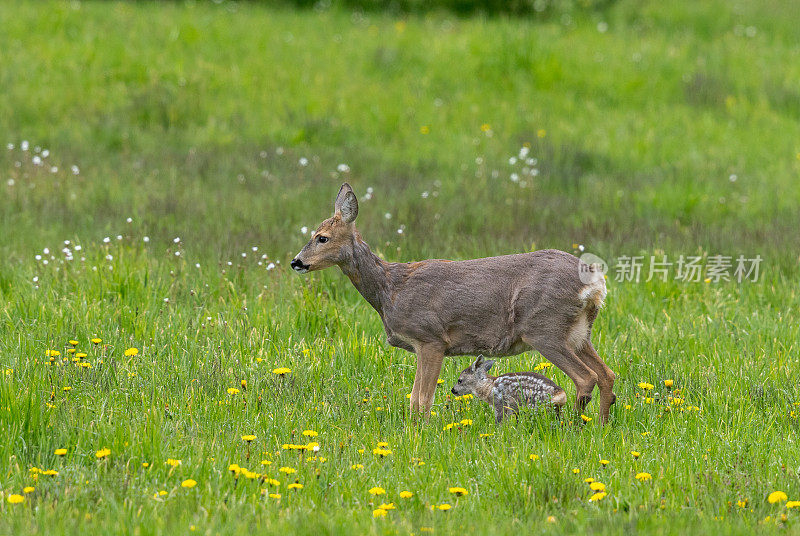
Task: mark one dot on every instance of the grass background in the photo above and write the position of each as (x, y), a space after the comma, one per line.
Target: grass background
(191, 119)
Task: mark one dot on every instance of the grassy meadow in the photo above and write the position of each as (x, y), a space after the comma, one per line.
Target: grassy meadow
(161, 162)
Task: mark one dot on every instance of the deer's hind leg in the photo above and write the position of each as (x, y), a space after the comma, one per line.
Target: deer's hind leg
(605, 377)
(560, 353)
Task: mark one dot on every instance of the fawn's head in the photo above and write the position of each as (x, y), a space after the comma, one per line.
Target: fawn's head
(473, 377)
(332, 242)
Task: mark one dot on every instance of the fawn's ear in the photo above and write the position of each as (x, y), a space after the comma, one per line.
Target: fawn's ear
(486, 365)
(474, 367)
(346, 204)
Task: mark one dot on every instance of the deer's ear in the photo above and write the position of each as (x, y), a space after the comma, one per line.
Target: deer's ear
(346, 204)
(478, 362)
(486, 365)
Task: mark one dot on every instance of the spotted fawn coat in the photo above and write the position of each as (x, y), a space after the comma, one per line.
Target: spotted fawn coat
(508, 392)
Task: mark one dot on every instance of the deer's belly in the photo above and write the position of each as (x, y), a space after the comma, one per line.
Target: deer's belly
(490, 348)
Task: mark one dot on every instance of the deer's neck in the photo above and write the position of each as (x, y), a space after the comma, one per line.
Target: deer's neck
(368, 273)
(484, 389)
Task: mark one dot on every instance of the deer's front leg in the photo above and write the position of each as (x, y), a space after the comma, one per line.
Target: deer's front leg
(415, 390)
(429, 365)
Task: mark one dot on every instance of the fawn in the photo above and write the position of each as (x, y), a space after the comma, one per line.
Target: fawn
(498, 306)
(508, 392)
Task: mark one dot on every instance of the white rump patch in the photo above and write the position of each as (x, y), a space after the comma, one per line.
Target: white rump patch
(594, 292)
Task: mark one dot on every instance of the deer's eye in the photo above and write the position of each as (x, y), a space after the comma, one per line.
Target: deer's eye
(322, 239)
(459, 380)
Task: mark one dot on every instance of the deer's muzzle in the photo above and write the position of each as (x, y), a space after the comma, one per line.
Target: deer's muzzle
(299, 266)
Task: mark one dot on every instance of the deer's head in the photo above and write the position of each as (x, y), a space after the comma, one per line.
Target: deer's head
(473, 379)
(332, 242)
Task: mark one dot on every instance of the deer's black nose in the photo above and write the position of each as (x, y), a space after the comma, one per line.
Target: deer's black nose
(453, 390)
(299, 266)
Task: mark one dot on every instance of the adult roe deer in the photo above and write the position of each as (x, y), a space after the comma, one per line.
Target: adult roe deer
(497, 306)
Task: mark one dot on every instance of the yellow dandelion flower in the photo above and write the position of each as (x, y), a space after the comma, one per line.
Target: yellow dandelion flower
(163, 493)
(81, 355)
(585, 418)
(243, 383)
(52, 353)
(387, 506)
(789, 504)
(604, 462)
(486, 127)
(743, 503)
(28, 489)
(97, 340)
(376, 491)
(71, 350)
(310, 433)
(406, 494)
(458, 492)
(486, 435)
(74, 342)
(635, 454)
(272, 482)
(551, 519)
(234, 468)
(649, 400)
(646, 386)
(130, 352)
(576, 471)
(533, 457)
(172, 462)
(381, 452)
(248, 438)
(668, 383)
(281, 371)
(50, 472)
(266, 462)
(379, 512)
(439, 381)
(67, 389)
(588, 480)
(233, 391)
(643, 477)
(15, 499)
(356, 466)
(102, 453)
(274, 495)
(597, 486)
(296, 485)
(188, 483)
(287, 470)
(444, 507)
(777, 496)
(466, 422)
(145, 464)
(60, 452)
(597, 496)
(249, 474)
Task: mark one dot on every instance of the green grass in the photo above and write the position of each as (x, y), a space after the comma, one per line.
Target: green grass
(191, 119)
